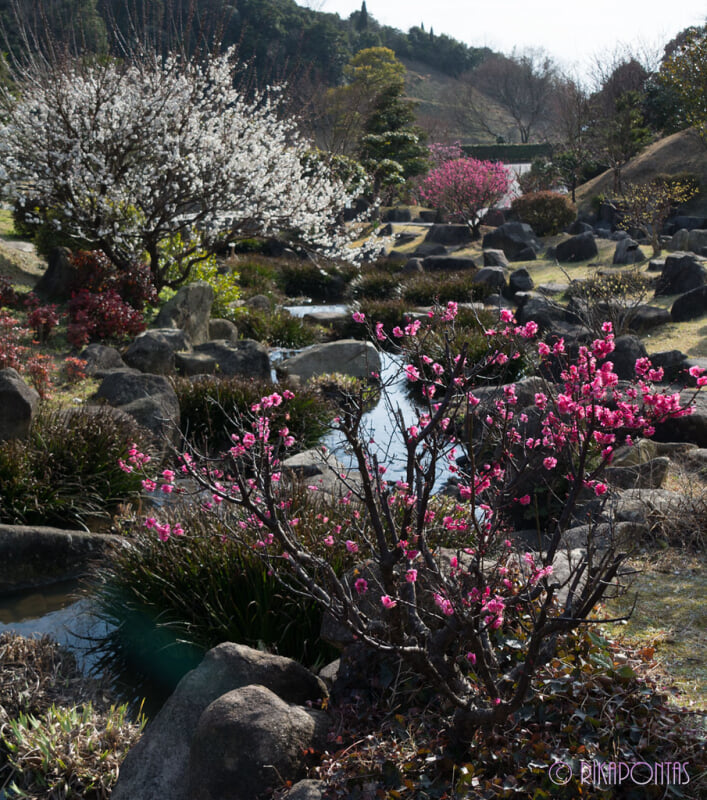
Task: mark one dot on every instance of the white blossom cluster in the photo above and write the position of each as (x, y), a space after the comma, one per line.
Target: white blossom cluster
(131, 153)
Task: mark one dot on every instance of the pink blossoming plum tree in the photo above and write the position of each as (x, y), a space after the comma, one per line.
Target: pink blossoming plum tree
(161, 155)
(440, 583)
(462, 187)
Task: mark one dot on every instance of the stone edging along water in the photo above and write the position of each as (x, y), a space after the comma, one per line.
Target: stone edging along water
(33, 556)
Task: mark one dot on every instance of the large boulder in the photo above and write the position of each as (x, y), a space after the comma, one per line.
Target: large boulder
(519, 281)
(322, 471)
(541, 310)
(691, 305)
(697, 241)
(189, 311)
(691, 428)
(223, 329)
(449, 235)
(101, 359)
(249, 741)
(577, 248)
(151, 352)
(149, 399)
(492, 277)
(60, 278)
(35, 555)
(157, 766)
(347, 356)
(246, 358)
(681, 273)
(627, 350)
(448, 263)
(627, 252)
(644, 318)
(19, 402)
(513, 238)
(495, 258)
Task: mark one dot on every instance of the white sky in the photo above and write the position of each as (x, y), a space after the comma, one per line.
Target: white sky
(572, 33)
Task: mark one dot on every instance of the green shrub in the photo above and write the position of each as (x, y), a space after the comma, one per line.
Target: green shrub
(547, 213)
(257, 277)
(208, 406)
(426, 290)
(66, 472)
(376, 285)
(305, 279)
(275, 328)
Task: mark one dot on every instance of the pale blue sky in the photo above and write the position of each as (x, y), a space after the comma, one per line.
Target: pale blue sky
(572, 33)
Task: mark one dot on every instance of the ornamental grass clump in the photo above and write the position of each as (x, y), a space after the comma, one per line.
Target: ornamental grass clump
(67, 472)
(211, 407)
(477, 619)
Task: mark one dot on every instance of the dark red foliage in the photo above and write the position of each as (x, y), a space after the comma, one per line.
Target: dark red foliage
(96, 274)
(95, 317)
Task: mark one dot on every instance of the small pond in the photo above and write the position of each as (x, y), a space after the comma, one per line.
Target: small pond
(53, 610)
(300, 311)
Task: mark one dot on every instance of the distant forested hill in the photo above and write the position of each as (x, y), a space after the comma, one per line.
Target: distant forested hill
(278, 37)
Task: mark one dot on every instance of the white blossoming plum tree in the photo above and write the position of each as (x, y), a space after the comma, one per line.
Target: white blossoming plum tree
(162, 158)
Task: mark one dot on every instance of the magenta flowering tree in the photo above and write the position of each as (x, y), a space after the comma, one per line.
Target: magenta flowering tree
(463, 187)
(440, 583)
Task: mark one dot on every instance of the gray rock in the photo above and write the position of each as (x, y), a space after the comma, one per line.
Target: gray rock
(638, 505)
(495, 258)
(578, 227)
(249, 741)
(151, 352)
(245, 357)
(347, 356)
(656, 265)
(648, 475)
(422, 251)
(577, 248)
(307, 790)
(189, 311)
(397, 215)
(526, 254)
(149, 399)
(512, 238)
(448, 263)
(628, 252)
(697, 240)
(645, 318)
(680, 241)
(519, 281)
(320, 471)
(691, 305)
(101, 359)
(19, 402)
(35, 555)
(673, 362)
(541, 310)
(156, 768)
(191, 364)
(691, 428)
(628, 349)
(681, 273)
(449, 235)
(60, 277)
(493, 277)
(223, 329)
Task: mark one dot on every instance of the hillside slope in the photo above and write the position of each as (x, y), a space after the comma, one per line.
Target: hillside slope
(682, 152)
